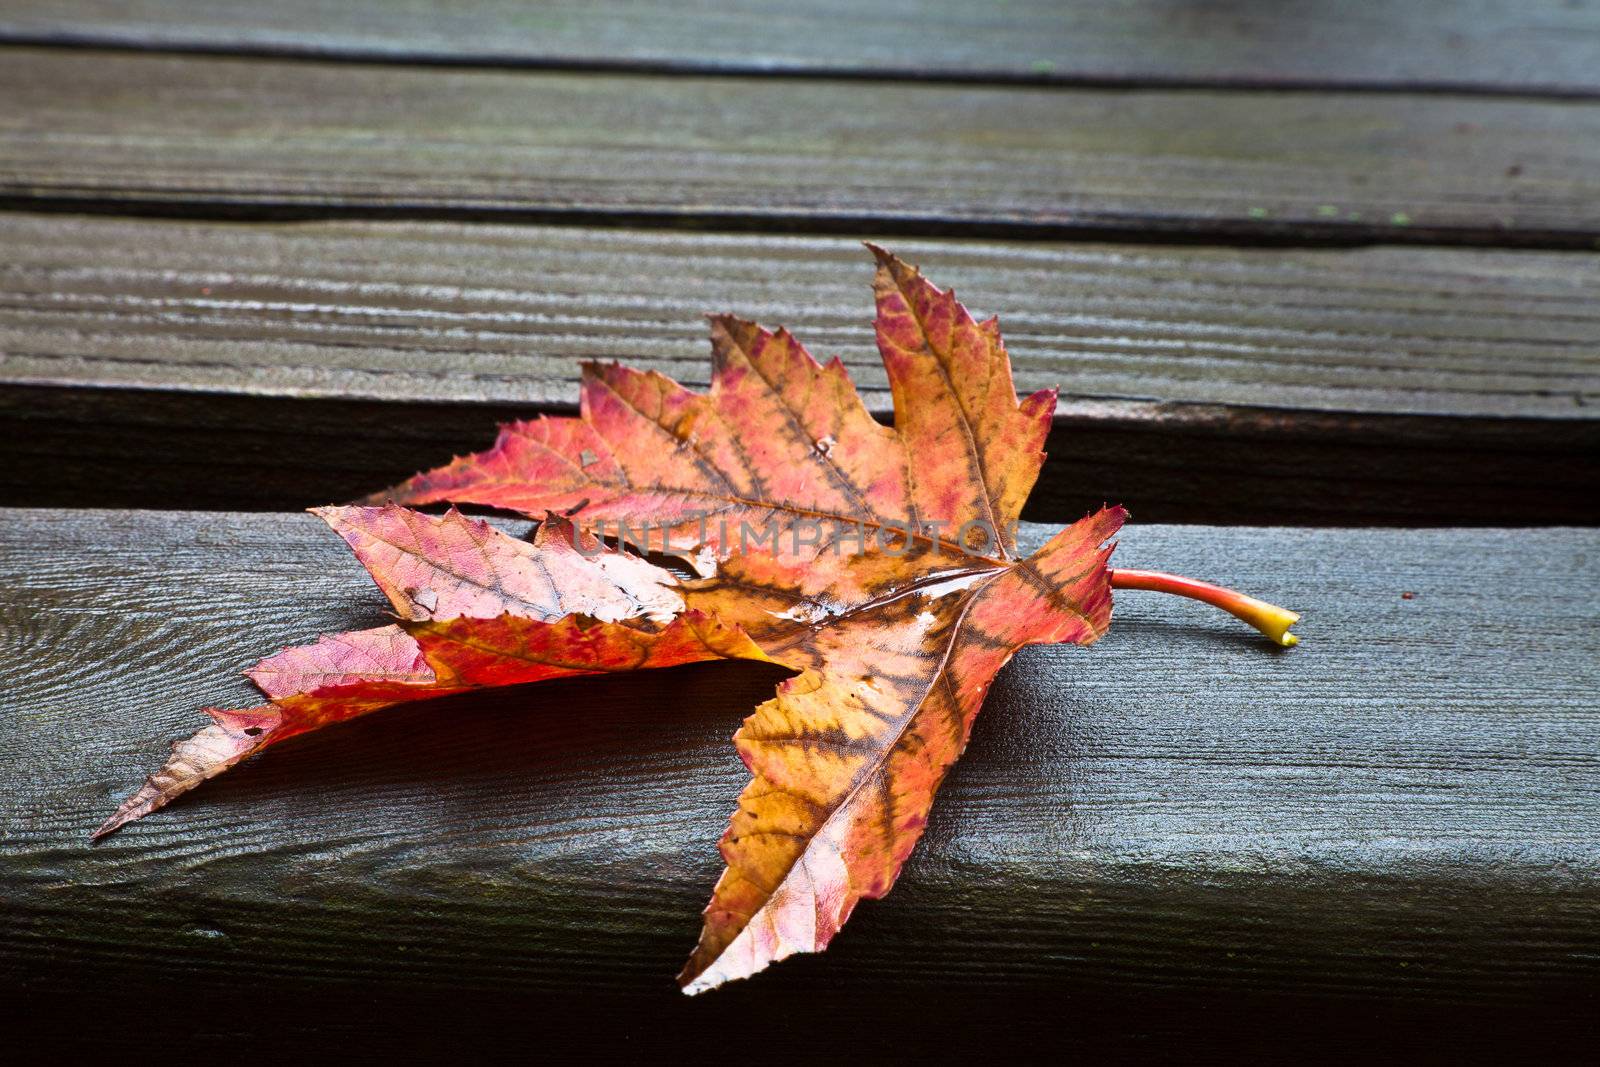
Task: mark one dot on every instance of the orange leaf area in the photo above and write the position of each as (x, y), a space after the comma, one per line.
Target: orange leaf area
(846, 758)
(782, 446)
(478, 609)
(879, 563)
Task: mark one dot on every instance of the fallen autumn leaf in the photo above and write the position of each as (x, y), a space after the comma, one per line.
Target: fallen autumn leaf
(878, 563)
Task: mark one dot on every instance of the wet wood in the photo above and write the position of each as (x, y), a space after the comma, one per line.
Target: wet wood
(1398, 814)
(121, 132)
(1491, 45)
(193, 364)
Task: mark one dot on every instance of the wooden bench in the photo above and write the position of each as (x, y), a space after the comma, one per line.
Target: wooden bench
(1319, 285)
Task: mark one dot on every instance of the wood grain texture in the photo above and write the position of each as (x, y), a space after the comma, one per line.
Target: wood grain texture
(1501, 45)
(139, 132)
(187, 364)
(505, 314)
(1401, 811)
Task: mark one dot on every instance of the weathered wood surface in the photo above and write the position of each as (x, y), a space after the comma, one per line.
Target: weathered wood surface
(1401, 811)
(186, 364)
(450, 312)
(125, 132)
(1489, 45)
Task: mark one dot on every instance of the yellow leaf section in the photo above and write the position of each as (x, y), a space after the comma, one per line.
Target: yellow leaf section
(847, 757)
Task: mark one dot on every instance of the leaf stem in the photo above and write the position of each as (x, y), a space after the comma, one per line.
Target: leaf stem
(1268, 618)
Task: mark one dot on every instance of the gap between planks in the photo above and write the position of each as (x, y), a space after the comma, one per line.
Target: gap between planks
(1134, 230)
(1491, 47)
(688, 68)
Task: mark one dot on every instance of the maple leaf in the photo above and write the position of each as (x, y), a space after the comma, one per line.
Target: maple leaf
(762, 482)
(478, 609)
(897, 642)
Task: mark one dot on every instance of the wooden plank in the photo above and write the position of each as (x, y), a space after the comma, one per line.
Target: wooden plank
(1496, 45)
(1399, 812)
(443, 311)
(126, 132)
(160, 363)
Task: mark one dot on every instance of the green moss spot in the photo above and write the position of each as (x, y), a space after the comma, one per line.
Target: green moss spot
(1258, 212)
(1328, 211)
(1400, 218)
